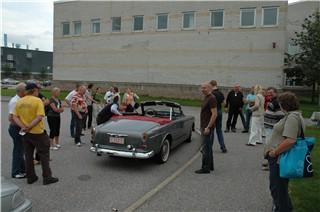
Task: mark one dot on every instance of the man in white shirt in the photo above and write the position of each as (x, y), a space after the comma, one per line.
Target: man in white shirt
(68, 101)
(18, 162)
(108, 97)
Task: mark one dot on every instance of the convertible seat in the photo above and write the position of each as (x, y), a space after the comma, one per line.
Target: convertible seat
(158, 120)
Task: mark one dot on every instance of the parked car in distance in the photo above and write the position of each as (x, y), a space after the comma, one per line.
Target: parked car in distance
(9, 81)
(32, 81)
(12, 197)
(160, 127)
(46, 83)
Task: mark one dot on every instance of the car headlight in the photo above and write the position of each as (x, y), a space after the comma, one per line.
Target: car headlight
(18, 198)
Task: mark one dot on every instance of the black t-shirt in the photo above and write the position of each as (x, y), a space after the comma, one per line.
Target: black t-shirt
(105, 114)
(219, 96)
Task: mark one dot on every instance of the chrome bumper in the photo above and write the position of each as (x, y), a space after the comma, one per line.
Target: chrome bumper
(131, 154)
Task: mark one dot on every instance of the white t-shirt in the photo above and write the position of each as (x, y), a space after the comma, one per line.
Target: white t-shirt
(13, 103)
(70, 95)
(108, 96)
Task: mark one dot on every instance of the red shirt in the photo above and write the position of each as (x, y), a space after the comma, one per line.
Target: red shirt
(79, 101)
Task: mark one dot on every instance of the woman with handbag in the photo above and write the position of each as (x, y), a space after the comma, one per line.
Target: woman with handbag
(283, 137)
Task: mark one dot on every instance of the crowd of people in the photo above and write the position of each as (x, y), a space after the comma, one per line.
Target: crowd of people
(31, 142)
(276, 118)
(267, 115)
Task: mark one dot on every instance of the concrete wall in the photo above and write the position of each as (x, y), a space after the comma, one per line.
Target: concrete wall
(172, 59)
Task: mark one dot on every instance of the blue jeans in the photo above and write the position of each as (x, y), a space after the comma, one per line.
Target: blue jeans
(242, 119)
(72, 124)
(279, 188)
(248, 118)
(207, 153)
(219, 131)
(18, 162)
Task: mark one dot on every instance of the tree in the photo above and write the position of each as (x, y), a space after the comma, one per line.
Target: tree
(26, 72)
(305, 65)
(43, 72)
(7, 71)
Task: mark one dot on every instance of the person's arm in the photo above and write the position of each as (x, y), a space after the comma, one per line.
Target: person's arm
(256, 104)
(114, 110)
(74, 106)
(55, 109)
(27, 128)
(212, 121)
(90, 97)
(286, 144)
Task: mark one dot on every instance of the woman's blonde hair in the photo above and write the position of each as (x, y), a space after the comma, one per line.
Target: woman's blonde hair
(54, 90)
(257, 89)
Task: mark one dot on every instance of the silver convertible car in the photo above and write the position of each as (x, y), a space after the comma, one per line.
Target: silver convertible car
(159, 127)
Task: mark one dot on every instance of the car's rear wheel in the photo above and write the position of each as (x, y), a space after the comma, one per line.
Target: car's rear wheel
(164, 153)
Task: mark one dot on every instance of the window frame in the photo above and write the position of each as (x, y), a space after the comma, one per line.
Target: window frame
(62, 28)
(223, 16)
(163, 14)
(95, 21)
(262, 17)
(74, 28)
(254, 17)
(113, 24)
(134, 21)
(194, 20)
(293, 49)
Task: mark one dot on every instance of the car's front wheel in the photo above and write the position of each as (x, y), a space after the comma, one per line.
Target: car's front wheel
(163, 155)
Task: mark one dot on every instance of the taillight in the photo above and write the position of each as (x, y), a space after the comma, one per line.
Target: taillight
(93, 131)
(144, 137)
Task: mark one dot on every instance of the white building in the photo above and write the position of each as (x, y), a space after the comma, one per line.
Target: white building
(171, 45)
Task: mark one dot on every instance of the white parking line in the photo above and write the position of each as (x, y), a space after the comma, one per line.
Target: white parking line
(143, 199)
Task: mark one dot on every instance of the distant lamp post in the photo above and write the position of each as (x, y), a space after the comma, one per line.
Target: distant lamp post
(48, 69)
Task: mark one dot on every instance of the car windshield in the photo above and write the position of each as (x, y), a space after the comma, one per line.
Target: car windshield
(163, 110)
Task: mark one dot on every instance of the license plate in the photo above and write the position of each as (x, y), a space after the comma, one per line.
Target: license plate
(116, 140)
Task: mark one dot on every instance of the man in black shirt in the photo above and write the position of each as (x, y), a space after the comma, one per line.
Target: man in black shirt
(234, 104)
(220, 99)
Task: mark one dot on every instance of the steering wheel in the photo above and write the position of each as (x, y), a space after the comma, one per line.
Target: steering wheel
(150, 112)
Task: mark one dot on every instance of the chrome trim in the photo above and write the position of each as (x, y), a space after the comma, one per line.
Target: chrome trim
(117, 135)
(124, 154)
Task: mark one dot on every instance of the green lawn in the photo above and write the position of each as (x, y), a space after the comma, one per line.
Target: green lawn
(47, 93)
(305, 193)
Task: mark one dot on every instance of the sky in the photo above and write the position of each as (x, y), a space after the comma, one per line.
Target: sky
(30, 22)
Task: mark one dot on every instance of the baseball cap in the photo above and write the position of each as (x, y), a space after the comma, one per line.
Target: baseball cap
(31, 86)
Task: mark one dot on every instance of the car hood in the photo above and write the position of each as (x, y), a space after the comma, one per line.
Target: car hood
(7, 187)
(125, 125)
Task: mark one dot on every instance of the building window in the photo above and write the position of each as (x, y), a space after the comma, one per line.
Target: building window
(95, 26)
(9, 57)
(188, 20)
(162, 22)
(248, 17)
(29, 55)
(217, 18)
(116, 24)
(270, 16)
(65, 28)
(138, 23)
(293, 49)
(77, 28)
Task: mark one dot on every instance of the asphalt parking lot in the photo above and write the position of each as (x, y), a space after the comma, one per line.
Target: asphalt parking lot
(91, 183)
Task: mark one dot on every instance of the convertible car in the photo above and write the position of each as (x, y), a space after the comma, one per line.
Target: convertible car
(152, 133)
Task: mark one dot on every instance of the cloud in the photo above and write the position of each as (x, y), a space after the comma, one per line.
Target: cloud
(29, 23)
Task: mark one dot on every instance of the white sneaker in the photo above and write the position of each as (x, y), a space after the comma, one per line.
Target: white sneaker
(83, 142)
(78, 144)
(20, 175)
(58, 145)
(54, 148)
